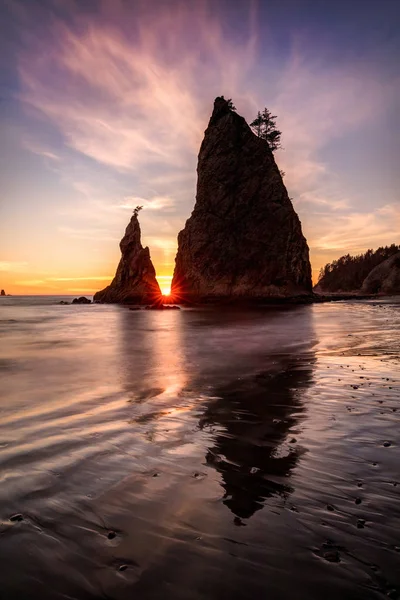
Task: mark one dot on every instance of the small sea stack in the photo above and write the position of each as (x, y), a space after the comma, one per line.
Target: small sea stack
(135, 279)
(243, 240)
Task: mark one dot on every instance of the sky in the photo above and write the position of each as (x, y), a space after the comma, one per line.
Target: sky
(104, 103)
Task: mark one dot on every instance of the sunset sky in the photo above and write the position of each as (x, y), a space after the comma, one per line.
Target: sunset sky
(104, 104)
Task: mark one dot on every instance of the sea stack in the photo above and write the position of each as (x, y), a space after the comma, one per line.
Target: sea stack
(135, 280)
(243, 240)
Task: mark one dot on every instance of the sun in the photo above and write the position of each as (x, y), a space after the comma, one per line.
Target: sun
(164, 281)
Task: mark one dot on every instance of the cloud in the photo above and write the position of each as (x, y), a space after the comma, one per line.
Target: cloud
(356, 232)
(130, 93)
(93, 234)
(129, 100)
(155, 203)
(38, 149)
(13, 266)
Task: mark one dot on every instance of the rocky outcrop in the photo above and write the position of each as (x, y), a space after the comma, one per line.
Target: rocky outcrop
(2, 293)
(81, 300)
(243, 239)
(135, 280)
(385, 278)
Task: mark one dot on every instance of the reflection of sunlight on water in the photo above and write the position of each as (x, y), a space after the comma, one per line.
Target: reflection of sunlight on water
(156, 375)
(168, 354)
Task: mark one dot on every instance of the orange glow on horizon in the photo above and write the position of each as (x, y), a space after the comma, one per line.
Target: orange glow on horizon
(164, 281)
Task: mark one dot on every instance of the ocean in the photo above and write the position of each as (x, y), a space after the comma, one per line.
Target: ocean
(199, 454)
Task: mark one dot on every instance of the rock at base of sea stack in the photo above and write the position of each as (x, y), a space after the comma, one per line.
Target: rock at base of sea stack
(135, 280)
(384, 278)
(243, 240)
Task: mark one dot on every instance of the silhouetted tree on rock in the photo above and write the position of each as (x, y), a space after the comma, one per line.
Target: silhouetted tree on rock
(264, 126)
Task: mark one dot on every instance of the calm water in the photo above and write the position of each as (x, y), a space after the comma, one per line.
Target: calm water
(199, 454)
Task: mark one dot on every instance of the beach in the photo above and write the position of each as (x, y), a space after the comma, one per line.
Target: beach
(201, 453)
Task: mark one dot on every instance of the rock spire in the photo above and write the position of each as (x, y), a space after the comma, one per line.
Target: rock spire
(135, 280)
(243, 239)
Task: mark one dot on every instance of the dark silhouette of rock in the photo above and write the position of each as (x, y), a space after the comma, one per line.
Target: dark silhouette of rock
(243, 239)
(64, 302)
(385, 278)
(2, 293)
(162, 307)
(81, 300)
(135, 280)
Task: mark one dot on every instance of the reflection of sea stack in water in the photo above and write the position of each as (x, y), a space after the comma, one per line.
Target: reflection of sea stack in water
(254, 416)
(243, 239)
(135, 280)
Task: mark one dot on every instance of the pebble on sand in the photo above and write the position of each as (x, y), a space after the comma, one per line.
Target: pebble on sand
(16, 517)
(332, 556)
(360, 523)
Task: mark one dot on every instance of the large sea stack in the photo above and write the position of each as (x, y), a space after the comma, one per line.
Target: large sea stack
(243, 240)
(135, 280)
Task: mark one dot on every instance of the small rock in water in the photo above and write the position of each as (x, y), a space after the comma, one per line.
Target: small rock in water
(330, 507)
(387, 444)
(16, 517)
(122, 567)
(111, 535)
(81, 300)
(293, 441)
(358, 500)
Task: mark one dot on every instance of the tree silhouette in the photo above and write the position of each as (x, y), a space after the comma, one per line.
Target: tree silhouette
(264, 126)
(347, 273)
(137, 210)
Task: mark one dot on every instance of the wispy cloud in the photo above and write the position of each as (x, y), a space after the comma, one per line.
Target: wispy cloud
(13, 266)
(130, 93)
(93, 234)
(156, 203)
(358, 231)
(36, 148)
(127, 101)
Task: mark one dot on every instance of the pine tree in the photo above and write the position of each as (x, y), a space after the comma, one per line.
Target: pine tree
(264, 126)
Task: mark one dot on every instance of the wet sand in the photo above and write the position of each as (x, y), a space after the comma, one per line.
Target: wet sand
(200, 453)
